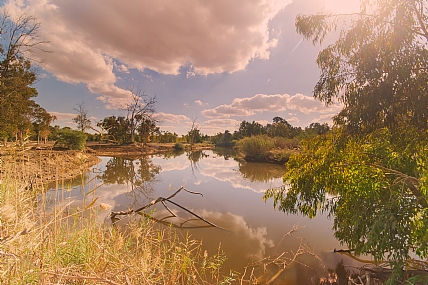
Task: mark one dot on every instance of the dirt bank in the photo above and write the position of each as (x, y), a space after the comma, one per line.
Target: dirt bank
(38, 165)
(136, 150)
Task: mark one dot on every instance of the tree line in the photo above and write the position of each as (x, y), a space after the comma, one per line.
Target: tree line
(278, 128)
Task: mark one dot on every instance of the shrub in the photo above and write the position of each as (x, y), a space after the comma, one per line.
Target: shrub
(72, 139)
(286, 143)
(179, 146)
(256, 147)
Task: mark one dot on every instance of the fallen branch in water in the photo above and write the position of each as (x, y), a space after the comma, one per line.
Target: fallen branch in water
(279, 263)
(113, 215)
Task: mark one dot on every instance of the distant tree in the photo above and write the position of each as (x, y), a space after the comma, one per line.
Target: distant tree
(145, 129)
(247, 129)
(315, 129)
(82, 120)
(223, 139)
(194, 134)
(72, 139)
(41, 123)
(116, 127)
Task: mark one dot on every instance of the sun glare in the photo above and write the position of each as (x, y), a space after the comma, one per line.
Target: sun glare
(343, 6)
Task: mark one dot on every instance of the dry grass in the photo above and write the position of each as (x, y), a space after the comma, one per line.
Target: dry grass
(45, 244)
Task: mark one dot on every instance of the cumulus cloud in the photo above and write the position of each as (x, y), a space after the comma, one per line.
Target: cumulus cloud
(219, 125)
(171, 118)
(199, 102)
(269, 103)
(91, 40)
(293, 120)
(327, 118)
(63, 116)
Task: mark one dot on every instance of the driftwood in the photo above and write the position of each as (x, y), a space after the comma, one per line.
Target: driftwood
(113, 215)
(375, 272)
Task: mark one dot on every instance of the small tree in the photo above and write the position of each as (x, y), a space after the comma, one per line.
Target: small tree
(81, 119)
(72, 139)
(194, 135)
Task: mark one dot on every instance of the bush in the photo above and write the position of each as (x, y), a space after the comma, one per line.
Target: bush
(72, 139)
(286, 143)
(256, 147)
(178, 146)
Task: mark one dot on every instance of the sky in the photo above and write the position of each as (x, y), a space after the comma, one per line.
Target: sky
(215, 62)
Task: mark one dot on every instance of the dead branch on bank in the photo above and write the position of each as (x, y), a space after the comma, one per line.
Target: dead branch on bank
(113, 215)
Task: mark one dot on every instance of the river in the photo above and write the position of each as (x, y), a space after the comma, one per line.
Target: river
(251, 232)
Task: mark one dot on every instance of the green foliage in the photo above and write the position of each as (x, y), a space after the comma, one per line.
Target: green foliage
(247, 129)
(255, 148)
(378, 66)
(285, 143)
(371, 186)
(370, 173)
(194, 136)
(164, 137)
(223, 139)
(72, 139)
(18, 111)
(178, 146)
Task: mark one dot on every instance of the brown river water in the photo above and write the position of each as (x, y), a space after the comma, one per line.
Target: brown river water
(252, 234)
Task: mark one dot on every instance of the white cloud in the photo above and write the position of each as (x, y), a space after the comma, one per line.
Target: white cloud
(219, 125)
(293, 120)
(199, 102)
(91, 40)
(269, 103)
(171, 118)
(63, 116)
(327, 118)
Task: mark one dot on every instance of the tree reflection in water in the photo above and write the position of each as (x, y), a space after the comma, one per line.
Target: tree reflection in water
(140, 174)
(251, 171)
(226, 152)
(194, 157)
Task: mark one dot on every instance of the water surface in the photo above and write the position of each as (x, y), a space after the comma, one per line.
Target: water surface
(232, 199)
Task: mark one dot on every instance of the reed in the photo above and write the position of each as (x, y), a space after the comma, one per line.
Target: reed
(51, 243)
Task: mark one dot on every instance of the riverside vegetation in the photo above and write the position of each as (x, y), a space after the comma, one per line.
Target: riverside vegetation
(52, 243)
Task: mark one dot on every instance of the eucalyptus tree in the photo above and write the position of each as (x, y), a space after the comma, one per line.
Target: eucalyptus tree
(140, 111)
(370, 172)
(19, 40)
(41, 123)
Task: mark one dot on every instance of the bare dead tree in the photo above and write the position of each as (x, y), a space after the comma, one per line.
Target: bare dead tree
(193, 133)
(20, 39)
(82, 120)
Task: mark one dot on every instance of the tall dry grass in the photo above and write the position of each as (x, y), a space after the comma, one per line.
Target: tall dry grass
(44, 243)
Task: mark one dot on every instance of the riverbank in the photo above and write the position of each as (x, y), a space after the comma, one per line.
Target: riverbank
(136, 150)
(39, 164)
(46, 240)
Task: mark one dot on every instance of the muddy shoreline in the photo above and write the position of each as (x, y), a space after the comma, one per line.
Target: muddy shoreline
(37, 165)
